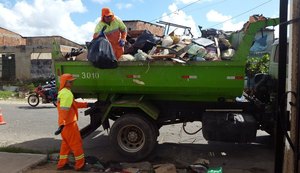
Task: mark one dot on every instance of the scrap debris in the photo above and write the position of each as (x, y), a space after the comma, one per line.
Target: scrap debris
(213, 45)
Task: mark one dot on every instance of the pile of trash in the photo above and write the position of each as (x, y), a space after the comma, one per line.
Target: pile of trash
(142, 45)
(212, 46)
(93, 164)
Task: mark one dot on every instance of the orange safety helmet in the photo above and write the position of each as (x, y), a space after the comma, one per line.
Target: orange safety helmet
(106, 12)
(64, 78)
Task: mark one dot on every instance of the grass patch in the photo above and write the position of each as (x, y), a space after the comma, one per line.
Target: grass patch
(7, 94)
(12, 149)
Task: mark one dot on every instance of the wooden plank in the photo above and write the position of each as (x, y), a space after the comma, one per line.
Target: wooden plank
(163, 56)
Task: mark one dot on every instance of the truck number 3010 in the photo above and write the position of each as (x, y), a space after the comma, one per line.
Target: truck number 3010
(90, 75)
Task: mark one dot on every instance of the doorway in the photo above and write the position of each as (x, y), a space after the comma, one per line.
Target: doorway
(8, 67)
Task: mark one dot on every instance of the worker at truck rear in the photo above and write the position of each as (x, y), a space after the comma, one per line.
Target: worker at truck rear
(67, 120)
(115, 32)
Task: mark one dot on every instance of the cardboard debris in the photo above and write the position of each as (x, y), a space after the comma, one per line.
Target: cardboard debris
(82, 56)
(139, 167)
(203, 41)
(163, 56)
(165, 168)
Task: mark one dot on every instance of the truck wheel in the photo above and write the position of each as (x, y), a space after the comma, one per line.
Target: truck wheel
(33, 100)
(133, 136)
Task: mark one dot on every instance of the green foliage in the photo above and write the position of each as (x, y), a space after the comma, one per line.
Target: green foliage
(257, 65)
(7, 94)
(11, 149)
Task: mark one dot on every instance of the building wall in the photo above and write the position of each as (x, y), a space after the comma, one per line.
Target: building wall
(30, 53)
(8, 38)
(22, 56)
(41, 65)
(48, 40)
(141, 25)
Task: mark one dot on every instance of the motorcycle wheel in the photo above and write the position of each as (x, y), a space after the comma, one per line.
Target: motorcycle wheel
(33, 100)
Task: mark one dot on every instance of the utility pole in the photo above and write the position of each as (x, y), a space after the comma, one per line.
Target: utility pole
(280, 140)
(291, 163)
(295, 39)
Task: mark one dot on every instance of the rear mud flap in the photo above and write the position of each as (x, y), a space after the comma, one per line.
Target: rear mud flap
(96, 114)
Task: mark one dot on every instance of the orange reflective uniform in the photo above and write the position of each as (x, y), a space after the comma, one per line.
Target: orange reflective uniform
(68, 115)
(114, 31)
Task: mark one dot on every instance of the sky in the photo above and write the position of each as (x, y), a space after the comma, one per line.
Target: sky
(76, 19)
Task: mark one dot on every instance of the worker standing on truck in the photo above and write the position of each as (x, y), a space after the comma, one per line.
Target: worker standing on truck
(67, 116)
(115, 32)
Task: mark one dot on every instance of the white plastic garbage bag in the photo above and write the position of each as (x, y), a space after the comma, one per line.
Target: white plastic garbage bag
(167, 41)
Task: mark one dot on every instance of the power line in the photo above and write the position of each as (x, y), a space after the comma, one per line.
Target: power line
(210, 5)
(241, 14)
(177, 10)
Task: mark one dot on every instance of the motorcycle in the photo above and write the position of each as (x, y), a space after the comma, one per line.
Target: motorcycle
(48, 94)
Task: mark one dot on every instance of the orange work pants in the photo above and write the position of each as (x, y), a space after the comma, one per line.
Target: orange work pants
(118, 50)
(71, 142)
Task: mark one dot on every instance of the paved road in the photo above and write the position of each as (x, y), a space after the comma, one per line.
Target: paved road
(33, 128)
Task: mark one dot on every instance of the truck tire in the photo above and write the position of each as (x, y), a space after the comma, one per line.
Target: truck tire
(133, 136)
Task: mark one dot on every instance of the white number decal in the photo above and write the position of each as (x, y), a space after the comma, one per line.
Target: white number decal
(90, 75)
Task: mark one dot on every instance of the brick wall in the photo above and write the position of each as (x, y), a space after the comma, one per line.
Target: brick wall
(8, 38)
(23, 48)
(141, 25)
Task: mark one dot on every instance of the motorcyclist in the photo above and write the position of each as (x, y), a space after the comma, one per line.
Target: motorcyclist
(50, 90)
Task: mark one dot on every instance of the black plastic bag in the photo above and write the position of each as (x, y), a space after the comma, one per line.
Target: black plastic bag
(146, 41)
(101, 54)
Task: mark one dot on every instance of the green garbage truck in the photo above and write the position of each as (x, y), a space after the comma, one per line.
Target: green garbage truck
(142, 96)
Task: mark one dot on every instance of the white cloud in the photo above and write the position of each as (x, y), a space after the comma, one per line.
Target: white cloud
(225, 21)
(121, 6)
(190, 1)
(214, 16)
(185, 1)
(102, 1)
(47, 17)
(230, 26)
(181, 18)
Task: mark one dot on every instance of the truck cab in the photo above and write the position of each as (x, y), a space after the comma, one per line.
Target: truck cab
(274, 57)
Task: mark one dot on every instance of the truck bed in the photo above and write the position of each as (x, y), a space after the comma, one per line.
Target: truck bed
(161, 80)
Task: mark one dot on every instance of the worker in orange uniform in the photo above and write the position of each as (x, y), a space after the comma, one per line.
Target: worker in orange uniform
(67, 120)
(115, 32)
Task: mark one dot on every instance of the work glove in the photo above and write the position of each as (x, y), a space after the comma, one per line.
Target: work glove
(59, 130)
(122, 42)
(90, 104)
